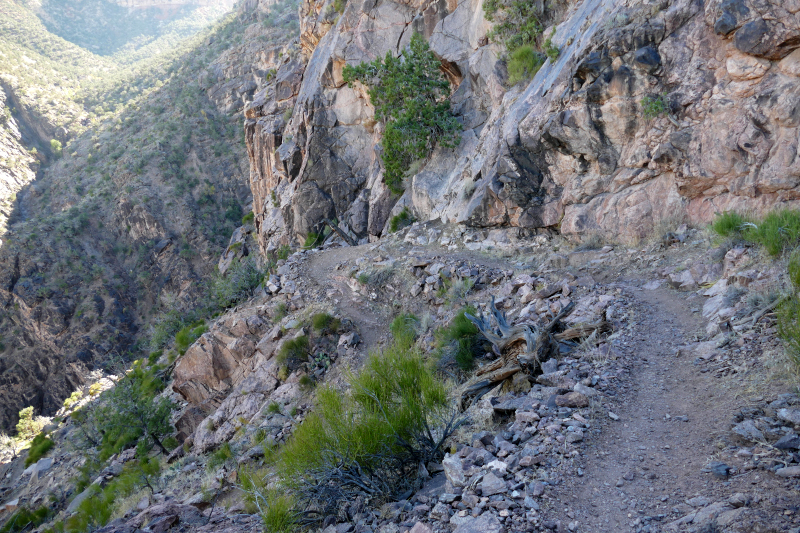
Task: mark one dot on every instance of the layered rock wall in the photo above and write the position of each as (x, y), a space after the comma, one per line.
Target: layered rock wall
(571, 150)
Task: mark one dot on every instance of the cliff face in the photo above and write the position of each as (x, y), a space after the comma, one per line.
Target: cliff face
(572, 149)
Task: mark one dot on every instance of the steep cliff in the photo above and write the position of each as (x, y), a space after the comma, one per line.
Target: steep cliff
(652, 111)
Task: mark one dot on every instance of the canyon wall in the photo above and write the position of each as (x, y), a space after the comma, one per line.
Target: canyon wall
(572, 150)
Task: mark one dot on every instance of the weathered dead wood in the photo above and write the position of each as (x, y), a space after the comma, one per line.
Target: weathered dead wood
(340, 232)
(519, 348)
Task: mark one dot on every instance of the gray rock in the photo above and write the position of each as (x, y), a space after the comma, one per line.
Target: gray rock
(486, 523)
(550, 366)
(454, 470)
(748, 431)
(573, 400)
(788, 442)
(789, 471)
(790, 415)
(492, 484)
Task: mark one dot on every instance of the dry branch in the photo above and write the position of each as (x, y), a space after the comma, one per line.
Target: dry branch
(519, 348)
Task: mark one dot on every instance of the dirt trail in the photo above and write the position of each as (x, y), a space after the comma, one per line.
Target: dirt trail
(670, 417)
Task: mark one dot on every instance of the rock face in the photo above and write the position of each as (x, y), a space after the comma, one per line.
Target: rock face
(572, 149)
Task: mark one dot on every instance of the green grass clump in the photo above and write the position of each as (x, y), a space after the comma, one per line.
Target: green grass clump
(274, 408)
(551, 50)
(776, 232)
(789, 313)
(307, 383)
(459, 339)
(729, 224)
(24, 519)
(248, 218)
(312, 240)
(40, 445)
(401, 220)
(284, 251)
(186, 337)
(523, 64)
(654, 106)
(219, 457)
(294, 350)
(403, 328)
(325, 323)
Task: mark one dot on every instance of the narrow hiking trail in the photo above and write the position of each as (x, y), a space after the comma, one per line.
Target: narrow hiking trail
(649, 467)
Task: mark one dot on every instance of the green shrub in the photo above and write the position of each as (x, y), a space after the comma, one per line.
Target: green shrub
(380, 430)
(516, 22)
(654, 106)
(281, 310)
(294, 351)
(325, 323)
(236, 285)
(188, 335)
(410, 96)
(27, 426)
(129, 414)
(40, 445)
(523, 64)
(401, 220)
(274, 408)
(248, 218)
(95, 511)
(459, 340)
(56, 147)
(24, 519)
(778, 231)
(339, 5)
(276, 507)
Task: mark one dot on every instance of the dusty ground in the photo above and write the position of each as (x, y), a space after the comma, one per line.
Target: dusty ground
(649, 468)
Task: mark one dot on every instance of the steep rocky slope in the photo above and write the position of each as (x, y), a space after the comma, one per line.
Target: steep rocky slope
(571, 150)
(129, 222)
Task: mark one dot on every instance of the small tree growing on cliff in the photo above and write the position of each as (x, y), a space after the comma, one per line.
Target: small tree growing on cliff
(410, 96)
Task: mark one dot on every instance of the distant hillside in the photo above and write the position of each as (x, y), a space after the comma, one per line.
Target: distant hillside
(126, 221)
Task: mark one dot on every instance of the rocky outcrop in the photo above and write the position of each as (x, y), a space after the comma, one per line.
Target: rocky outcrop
(573, 149)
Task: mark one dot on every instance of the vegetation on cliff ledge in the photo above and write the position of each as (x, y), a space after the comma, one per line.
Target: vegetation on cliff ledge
(410, 96)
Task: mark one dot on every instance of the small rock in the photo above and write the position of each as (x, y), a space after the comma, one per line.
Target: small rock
(419, 527)
(573, 400)
(739, 500)
(629, 475)
(613, 416)
(454, 470)
(788, 442)
(790, 415)
(486, 523)
(583, 389)
(789, 471)
(720, 470)
(748, 431)
(492, 484)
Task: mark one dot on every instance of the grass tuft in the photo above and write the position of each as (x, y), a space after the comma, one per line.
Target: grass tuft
(325, 323)
(459, 340)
